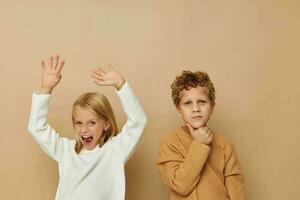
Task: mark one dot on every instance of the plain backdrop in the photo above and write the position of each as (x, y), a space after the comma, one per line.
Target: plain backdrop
(249, 48)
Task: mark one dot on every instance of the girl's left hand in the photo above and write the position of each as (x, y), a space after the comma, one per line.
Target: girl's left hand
(109, 77)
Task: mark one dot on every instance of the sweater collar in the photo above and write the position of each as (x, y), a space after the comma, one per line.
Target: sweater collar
(184, 133)
(97, 148)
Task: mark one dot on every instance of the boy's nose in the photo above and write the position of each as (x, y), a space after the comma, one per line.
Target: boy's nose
(196, 108)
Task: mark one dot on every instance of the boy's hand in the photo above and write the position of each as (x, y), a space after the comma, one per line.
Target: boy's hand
(202, 134)
(51, 74)
(109, 77)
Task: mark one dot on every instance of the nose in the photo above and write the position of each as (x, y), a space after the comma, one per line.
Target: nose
(195, 108)
(83, 128)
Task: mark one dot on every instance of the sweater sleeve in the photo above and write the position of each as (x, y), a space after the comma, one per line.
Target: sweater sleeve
(47, 138)
(181, 172)
(234, 178)
(126, 141)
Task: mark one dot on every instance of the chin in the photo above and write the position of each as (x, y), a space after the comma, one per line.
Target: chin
(197, 125)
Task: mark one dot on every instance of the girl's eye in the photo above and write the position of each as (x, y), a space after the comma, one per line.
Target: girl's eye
(77, 123)
(92, 123)
(202, 101)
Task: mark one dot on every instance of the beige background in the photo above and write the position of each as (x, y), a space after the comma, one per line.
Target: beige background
(249, 48)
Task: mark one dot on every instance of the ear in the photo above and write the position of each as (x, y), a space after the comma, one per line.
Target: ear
(107, 125)
(179, 111)
(213, 107)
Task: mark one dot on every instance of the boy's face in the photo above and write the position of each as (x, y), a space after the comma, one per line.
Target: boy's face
(88, 127)
(195, 106)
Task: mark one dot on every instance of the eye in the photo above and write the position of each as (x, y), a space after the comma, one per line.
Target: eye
(77, 123)
(187, 102)
(92, 123)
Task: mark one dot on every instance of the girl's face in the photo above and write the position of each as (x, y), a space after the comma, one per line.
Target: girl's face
(195, 107)
(88, 127)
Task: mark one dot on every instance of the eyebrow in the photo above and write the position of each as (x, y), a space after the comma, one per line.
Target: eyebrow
(87, 120)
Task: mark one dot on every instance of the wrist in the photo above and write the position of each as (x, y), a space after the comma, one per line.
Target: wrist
(119, 84)
(45, 90)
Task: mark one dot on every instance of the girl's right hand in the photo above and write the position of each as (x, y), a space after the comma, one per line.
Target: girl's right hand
(51, 74)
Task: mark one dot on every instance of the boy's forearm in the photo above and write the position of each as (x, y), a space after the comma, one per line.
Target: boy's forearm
(183, 175)
(235, 186)
(234, 176)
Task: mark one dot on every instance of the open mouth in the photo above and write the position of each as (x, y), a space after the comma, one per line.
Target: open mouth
(87, 139)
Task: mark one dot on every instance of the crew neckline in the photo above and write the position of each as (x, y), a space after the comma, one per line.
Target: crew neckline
(97, 148)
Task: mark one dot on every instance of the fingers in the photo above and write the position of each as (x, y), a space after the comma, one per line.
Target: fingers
(98, 82)
(97, 76)
(101, 83)
(99, 71)
(209, 139)
(190, 128)
(50, 62)
(55, 62)
(60, 66)
(43, 65)
(206, 130)
(110, 67)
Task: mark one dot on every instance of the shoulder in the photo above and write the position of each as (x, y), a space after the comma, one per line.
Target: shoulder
(177, 140)
(170, 147)
(169, 141)
(170, 138)
(220, 140)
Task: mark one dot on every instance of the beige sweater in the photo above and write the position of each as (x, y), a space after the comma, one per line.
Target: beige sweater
(194, 171)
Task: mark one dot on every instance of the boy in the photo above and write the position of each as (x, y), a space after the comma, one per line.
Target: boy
(194, 162)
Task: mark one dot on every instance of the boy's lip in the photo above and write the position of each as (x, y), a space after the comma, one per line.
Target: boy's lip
(198, 116)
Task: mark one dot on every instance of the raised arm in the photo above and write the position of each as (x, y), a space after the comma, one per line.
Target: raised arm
(41, 131)
(131, 132)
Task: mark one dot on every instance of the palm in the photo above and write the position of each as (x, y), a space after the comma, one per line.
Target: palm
(51, 73)
(50, 78)
(109, 77)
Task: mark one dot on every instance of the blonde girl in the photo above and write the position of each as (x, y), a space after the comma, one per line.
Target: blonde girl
(92, 166)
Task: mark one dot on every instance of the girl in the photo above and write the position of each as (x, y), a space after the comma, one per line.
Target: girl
(92, 166)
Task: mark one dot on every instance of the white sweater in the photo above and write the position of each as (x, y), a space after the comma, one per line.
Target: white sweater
(97, 174)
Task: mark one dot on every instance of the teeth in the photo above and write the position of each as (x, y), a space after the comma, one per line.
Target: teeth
(85, 136)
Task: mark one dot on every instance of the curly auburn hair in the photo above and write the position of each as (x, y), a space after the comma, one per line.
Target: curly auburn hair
(188, 80)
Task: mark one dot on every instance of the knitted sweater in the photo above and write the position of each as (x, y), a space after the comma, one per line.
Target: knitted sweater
(90, 175)
(195, 171)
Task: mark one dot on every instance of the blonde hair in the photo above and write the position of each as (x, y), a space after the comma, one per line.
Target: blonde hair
(99, 105)
(187, 80)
